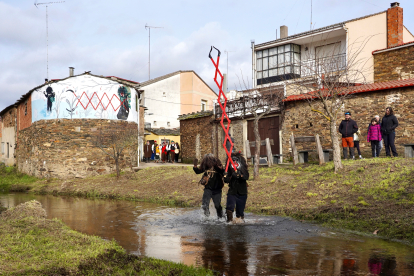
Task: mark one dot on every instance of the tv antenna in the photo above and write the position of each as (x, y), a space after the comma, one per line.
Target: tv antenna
(149, 47)
(47, 33)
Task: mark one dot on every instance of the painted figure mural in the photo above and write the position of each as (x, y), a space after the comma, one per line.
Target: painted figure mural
(50, 96)
(84, 97)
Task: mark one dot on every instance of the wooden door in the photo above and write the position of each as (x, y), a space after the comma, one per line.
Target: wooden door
(268, 128)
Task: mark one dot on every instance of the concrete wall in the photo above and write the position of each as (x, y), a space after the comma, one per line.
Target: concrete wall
(8, 137)
(301, 121)
(364, 36)
(162, 98)
(395, 64)
(407, 36)
(193, 91)
(64, 148)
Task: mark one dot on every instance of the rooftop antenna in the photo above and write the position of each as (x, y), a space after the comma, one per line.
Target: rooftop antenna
(47, 33)
(311, 16)
(149, 47)
(227, 72)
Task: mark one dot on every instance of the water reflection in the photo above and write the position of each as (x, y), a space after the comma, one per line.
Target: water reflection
(262, 246)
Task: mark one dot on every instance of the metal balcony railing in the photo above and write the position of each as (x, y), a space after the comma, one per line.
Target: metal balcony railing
(323, 65)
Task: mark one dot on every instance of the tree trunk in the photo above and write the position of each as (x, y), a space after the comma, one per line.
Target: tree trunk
(335, 145)
(117, 167)
(257, 148)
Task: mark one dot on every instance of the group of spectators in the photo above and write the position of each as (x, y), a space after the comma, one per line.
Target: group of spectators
(162, 153)
(379, 133)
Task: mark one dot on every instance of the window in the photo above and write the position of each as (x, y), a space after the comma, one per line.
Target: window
(203, 105)
(136, 103)
(2, 148)
(279, 62)
(168, 124)
(155, 123)
(7, 151)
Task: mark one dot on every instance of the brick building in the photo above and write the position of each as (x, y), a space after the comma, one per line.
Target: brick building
(50, 129)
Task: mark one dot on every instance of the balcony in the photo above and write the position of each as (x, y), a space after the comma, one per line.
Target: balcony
(324, 65)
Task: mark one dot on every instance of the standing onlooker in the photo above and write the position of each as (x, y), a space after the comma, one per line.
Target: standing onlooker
(147, 151)
(172, 151)
(380, 143)
(347, 128)
(177, 151)
(153, 151)
(356, 143)
(156, 151)
(168, 151)
(388, 125)
(164, 152)
(374, 136)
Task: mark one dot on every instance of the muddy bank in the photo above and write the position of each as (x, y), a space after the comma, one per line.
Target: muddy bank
(371, 195)
(30, 244)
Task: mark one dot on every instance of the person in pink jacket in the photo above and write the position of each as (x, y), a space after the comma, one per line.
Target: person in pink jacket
(374, 136)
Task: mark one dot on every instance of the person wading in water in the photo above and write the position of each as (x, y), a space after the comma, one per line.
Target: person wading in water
(212, 181)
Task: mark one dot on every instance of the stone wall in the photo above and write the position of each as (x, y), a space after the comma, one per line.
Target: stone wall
(394, 65)
(64, 148)
(197, 136)
(301, 121)
(236, 131)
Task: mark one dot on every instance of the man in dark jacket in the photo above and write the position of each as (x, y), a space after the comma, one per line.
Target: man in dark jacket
(237, 194)
(347, 128)
(388, 124)
(213, 185)
(147, 151)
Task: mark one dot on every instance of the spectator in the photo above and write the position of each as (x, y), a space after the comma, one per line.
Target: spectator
(374, 136)
(356, 143)
(380, 143)
(177, 151)
(147, 151)
(172, 151)
(347, 128)
(388, 125)
(164, 152)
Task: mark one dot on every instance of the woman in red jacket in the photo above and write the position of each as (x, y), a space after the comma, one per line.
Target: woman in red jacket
(163, 152)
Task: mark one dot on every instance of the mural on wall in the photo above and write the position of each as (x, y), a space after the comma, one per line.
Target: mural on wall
(84, 97)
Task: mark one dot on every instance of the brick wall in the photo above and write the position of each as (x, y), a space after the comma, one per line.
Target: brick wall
(197, 138)
(24, 114)
(64, 149)
(394, 26)
(394, 65)
(300, 121)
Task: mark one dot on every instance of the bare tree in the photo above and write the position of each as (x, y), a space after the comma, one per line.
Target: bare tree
(255, 103)
(113, 140)
(327, 79)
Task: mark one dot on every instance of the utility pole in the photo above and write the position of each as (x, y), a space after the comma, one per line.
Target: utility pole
(149, 47)
(227, 71)
(47, 34)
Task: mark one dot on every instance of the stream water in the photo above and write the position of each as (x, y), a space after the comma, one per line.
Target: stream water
(263, 245)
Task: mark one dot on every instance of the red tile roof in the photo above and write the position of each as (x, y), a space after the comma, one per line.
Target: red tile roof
(404, 44)
(358, 89)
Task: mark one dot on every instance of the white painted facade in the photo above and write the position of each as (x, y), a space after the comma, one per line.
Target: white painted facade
(7, 146)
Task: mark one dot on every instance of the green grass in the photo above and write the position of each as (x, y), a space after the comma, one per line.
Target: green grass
(38, 246)
(9, 176)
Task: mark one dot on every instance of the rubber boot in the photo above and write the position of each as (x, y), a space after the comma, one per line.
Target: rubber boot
(345, 153)
(229, 215)
(352, 153)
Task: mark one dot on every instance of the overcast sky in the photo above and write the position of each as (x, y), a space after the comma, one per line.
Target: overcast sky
(109, 37)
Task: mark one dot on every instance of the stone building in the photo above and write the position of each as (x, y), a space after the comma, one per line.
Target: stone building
(50, 129)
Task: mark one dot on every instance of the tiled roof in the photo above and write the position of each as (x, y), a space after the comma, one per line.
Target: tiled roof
(315, 31)
(358, 89)
(195, 115)
(392, 48)
(122, 79)
(164, 131)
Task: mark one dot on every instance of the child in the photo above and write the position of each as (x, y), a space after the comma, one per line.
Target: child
(356, 143)
(374, 136)
(237, 193)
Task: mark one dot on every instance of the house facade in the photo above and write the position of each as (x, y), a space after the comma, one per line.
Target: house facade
(169, 96)
(50, 130)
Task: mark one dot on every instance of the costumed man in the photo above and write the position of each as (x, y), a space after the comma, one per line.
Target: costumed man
(147, 151)
(237, 179)
(347, 128)
(212, 181)
(50, 96)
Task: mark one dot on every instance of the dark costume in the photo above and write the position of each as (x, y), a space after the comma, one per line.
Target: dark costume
(388, 125)
(212, 168)
(237, 194)
(125, 98)
(50, 96)
(147, 152)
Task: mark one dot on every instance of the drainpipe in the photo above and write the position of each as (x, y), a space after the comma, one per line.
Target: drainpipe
(253, 65)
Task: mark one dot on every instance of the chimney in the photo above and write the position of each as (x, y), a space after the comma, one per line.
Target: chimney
(283, 31)
(71, 71)
(394, 25)
(46, 80)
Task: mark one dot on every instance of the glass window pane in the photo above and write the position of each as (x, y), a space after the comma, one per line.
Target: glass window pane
(259, 54)
(265, 63)
(296, 48)
(272, 72)
(265, 53)
(280, 71)
(280, 60)
(259, 75)
(273, 51)
(297, 70)
(259, 65)
(297, 58)
(287, 58)
(272, 61)
(280, 49)
(287, 47)
(288, 69)
(265, 74)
